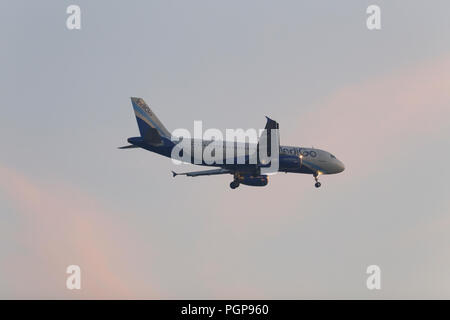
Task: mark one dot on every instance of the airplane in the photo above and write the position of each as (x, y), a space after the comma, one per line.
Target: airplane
(156, 138)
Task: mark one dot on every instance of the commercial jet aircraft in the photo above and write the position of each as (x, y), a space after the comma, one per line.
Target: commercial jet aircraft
(156, 138)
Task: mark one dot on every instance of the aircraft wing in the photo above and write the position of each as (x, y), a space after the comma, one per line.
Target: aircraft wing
(203, 173)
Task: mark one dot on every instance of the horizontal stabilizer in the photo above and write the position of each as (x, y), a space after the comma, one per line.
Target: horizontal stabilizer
(131, 146)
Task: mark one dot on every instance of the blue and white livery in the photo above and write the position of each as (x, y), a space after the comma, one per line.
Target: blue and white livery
(156, 138)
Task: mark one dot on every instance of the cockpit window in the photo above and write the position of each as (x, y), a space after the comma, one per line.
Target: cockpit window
(332, 156)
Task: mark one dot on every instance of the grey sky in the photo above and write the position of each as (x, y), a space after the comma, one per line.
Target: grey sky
(65, 108)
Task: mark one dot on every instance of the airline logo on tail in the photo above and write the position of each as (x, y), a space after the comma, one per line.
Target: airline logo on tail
(144, 113)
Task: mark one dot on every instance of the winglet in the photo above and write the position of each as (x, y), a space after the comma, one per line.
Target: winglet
(271, 124)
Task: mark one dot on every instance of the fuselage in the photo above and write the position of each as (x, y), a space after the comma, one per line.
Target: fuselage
(237, 156)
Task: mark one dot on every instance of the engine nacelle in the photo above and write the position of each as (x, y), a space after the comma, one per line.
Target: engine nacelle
(255, 181)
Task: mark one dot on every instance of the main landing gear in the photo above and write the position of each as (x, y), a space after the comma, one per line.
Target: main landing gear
(316, 177)
(234, 184)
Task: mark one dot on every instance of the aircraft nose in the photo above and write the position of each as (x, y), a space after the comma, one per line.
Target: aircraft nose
(341, 166)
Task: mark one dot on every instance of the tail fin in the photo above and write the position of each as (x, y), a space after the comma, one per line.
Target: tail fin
(148, 123)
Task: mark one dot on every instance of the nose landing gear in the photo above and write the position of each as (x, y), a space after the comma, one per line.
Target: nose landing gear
(316, 177)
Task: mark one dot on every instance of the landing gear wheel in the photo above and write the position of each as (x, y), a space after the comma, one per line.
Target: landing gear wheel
(234, 184)
(316, 177)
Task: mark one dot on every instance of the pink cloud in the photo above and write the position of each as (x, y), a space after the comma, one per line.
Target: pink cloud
(360, 123)
(62, 226)
(383, 112)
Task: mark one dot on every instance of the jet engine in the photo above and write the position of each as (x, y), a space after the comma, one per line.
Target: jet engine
(255, 181)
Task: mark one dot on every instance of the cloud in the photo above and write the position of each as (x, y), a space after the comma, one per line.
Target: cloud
(360, 121)
(60, 226)
(365, 124)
